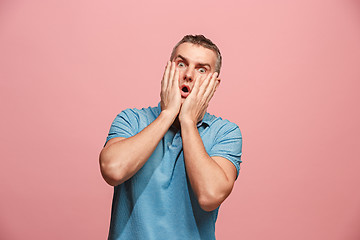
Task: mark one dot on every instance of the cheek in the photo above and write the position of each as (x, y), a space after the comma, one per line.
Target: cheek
(182, 72)
(202, 78)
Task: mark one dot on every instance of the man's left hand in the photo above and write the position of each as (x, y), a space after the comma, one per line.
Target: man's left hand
(194, 107)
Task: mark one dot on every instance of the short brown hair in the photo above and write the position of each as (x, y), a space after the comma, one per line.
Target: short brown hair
(204, 42)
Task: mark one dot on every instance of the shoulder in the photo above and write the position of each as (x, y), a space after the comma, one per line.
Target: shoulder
(140, 113)
(137, 118)
(221, 126)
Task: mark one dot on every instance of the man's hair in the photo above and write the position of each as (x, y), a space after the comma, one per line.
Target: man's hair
(201, 41)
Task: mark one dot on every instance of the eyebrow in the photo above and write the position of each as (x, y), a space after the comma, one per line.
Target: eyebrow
(199, 64)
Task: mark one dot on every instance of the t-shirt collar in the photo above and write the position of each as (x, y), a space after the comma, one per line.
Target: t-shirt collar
(206, 119)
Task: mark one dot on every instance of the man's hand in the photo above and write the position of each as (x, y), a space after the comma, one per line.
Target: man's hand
(194, 107)
(170, 93)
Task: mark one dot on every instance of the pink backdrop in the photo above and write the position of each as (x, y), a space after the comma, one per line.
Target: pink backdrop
(290, 80)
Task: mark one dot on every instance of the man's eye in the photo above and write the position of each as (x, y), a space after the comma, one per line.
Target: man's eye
(202, 70)
(181, 64)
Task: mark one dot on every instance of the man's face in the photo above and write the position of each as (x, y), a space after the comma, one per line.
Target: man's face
(193, 61)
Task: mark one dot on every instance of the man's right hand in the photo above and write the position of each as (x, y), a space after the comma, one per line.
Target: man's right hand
(121, 158)
(170, 93)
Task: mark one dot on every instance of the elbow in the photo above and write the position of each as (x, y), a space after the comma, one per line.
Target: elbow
(209, 203)
(211, 200)
(110, 170)
(110, 178)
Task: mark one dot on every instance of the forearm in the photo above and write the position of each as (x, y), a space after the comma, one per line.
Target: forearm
(208, 180)
(121, 160)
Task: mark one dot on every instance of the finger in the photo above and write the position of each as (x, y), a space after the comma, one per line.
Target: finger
(211, 85)
(165, 79)
(216, 82)
(172, 73)
(209, 89)
(176, 79)
(205, 84)
(196, 87)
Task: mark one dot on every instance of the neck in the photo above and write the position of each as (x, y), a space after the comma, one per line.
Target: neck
(176, 123)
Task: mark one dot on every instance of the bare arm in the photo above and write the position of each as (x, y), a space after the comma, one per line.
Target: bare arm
(121, 158)
(211, 178)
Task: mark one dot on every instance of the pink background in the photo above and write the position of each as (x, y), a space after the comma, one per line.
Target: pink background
(290, 80)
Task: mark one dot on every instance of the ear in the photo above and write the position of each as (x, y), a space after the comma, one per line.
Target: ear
(218, 80)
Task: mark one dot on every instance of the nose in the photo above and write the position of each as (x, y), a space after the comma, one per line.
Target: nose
(189, 75)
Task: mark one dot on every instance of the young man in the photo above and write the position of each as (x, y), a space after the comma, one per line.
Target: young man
(173, 165)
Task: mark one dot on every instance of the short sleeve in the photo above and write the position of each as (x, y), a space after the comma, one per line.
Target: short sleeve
(125, 125)
(228, 144)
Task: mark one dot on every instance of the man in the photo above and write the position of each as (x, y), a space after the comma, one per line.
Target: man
(173, 165)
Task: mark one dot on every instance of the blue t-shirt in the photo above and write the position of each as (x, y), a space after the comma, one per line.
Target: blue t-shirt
(158, 202)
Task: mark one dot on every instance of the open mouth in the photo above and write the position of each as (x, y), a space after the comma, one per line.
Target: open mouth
(185, 91)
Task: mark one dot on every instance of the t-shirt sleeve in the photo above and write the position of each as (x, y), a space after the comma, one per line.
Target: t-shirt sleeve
(125, 125)
(228, 144)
